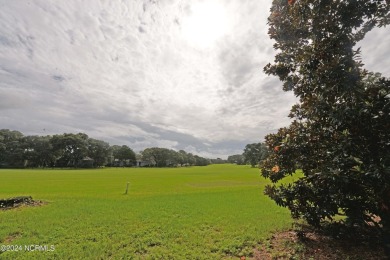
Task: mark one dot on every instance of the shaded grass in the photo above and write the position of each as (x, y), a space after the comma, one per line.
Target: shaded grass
(217, 211)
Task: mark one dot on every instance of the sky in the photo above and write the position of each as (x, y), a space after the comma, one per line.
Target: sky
(171, 73)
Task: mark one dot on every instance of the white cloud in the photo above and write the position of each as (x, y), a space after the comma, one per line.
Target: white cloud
(127, 72)
(376, 51)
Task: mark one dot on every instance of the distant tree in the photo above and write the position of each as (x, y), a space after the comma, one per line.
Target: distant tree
(191, 159)
(183, 157)
(3, 149)
(174, 158)
(159, 156)
(77, 150)
(99, 151)
(200, 161)
(237, 159)
(30, 154)
(340, 135)
(254, 153)
(147, 156)
(11, 148)
(162, 157)
(38, 151)
(217, 161)
(70, 149)
(124, 154)
(113, 152)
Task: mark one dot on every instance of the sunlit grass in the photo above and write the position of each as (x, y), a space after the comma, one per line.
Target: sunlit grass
(173, 213)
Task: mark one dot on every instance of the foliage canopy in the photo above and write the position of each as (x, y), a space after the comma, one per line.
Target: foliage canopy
(255, 153)
(79, 150)
(340, 134)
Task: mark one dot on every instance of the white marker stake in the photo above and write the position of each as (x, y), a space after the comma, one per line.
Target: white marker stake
(127, 188)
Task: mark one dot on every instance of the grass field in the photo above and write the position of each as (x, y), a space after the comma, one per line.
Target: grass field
(210, 212)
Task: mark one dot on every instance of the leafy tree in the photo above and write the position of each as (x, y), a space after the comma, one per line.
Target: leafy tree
(124, 154)
(254, 153)
(191, 159)
(237, 158)
(70, 149)
(200, 161)
(174, 158)
(65, 150)
(11, 148)
(183, 157)
(162, 157)
(114, 152)
(188, 158)
(159, 156)
(38, 151)
(340, 134)
(217, 161)
(98, 150)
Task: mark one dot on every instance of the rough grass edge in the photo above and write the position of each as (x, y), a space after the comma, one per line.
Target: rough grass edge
(304, 242)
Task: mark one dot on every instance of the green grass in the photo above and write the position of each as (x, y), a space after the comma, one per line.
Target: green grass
(212, 212)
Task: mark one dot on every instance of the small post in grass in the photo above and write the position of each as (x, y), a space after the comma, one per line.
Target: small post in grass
(127, 187)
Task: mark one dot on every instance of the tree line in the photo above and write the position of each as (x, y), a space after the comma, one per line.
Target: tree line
(253, 154)
(81, 151)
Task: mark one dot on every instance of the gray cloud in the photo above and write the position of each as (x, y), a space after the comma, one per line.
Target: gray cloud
(375, 50)
(123, 71)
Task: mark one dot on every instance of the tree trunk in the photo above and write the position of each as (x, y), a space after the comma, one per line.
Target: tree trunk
(386, 234)
(385, 221)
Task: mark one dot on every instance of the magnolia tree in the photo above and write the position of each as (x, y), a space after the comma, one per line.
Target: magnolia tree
(340, 135)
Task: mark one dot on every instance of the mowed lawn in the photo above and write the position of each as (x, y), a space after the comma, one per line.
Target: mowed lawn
(212, 212)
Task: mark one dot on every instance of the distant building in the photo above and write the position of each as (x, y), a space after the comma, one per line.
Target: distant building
(142, 163)
(87, 162)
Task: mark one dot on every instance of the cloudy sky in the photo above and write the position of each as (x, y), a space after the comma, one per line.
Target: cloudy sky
(177, 74)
